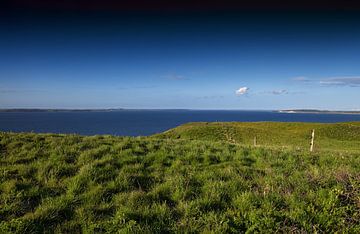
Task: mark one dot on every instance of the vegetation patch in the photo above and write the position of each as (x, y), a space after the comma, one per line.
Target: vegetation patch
(200, 177)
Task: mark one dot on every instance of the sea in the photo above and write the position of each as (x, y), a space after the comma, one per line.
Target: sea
(144, 122)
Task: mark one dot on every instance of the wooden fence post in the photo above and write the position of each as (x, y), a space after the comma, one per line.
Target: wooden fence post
(312, 140)
(255, 141)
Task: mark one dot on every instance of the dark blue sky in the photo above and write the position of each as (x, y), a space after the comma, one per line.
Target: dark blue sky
(76, 57)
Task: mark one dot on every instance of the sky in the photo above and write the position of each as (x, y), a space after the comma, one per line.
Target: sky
(187, 55)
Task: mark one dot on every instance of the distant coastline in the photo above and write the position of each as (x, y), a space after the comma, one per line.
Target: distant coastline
(57, 110)
(82, 110)
(313, 111)
(288, 111)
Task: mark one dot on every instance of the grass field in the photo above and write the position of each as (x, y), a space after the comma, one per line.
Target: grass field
(199, 177)
(339, 136)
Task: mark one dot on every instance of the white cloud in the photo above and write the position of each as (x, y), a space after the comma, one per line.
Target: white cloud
(351, 81)
(279, 92)
(241, 91)
(341, 81)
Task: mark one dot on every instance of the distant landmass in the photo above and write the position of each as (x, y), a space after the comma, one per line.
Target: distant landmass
(304, 111)
(314, 111)
(82, 110)
(58, 110)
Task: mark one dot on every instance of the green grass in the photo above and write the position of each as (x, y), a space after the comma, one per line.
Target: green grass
(189, 179)
(339, 136)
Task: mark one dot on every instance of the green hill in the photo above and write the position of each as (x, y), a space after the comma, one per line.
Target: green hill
(338, 136)
(197, 178)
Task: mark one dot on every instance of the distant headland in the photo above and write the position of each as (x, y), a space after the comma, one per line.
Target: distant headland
(314, 111)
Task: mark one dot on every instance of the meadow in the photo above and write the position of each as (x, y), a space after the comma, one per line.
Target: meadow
(196, 178)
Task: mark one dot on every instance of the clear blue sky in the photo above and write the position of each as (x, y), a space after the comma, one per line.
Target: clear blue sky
(285, 60)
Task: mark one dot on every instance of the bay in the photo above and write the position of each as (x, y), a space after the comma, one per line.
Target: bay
(144, 122)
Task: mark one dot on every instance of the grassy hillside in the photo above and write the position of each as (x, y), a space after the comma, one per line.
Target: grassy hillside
(70, 183)
(339, 136)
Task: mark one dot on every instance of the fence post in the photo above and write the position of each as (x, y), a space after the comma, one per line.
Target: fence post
(312, 140)
(255, 141)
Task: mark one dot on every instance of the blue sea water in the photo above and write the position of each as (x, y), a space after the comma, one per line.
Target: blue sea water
(144, 122)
